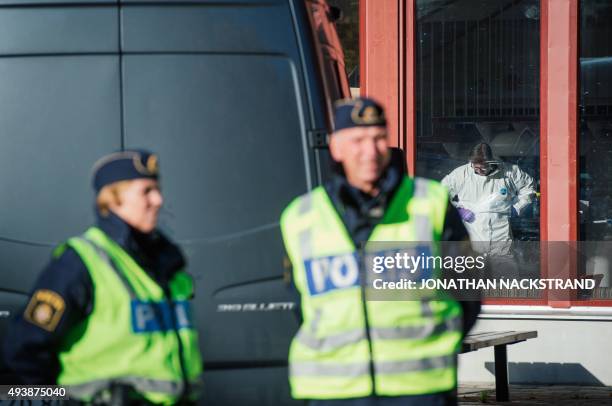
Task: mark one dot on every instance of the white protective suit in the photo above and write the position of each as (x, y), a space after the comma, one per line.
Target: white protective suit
(491, 198)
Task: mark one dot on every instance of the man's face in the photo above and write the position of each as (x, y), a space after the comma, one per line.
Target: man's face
(363, 153)
(139, 204)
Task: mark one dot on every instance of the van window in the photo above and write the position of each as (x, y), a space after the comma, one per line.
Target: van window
(330, 49)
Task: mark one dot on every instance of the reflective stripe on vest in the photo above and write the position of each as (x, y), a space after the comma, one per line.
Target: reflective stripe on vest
(336, 341)
(414, 343)
(104, 256)
(357, 369)
(423, 228)
(91, 389)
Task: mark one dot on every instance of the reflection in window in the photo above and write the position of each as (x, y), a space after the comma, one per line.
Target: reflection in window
(595, 120)
(328, 43)
(348, 31)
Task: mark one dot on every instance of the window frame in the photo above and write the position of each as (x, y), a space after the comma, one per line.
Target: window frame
(392, 81)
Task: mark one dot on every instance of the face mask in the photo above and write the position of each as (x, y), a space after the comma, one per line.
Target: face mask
(485, 169)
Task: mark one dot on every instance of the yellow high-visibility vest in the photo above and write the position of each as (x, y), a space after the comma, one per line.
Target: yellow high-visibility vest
(134, 331)
(350, 347)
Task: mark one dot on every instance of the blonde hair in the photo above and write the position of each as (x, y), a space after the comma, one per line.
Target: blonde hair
(110, 195)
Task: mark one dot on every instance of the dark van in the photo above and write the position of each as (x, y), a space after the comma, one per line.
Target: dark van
(233, 95)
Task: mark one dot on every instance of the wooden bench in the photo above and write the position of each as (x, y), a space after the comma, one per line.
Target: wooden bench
(498, 340)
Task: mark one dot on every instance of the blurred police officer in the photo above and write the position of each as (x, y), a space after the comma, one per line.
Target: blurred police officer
(111, 310)
(349, 351)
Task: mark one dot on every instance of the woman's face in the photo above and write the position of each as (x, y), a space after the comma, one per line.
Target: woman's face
(139, 204)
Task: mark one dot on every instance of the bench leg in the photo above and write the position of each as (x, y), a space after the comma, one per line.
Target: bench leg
(502, 393)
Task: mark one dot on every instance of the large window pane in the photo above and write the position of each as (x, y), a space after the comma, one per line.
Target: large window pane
(595, 120)
(477, 81)
(595, 145)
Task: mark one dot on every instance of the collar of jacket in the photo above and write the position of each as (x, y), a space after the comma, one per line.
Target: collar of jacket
(153, 251)
(117, 229)
(341, 191)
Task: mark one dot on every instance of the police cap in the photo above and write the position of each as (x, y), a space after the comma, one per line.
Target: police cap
(358, 112)
(124, 165)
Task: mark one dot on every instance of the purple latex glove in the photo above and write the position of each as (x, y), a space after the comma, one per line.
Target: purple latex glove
(466, 215)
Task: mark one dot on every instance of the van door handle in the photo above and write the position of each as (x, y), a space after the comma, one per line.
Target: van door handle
(317, 139)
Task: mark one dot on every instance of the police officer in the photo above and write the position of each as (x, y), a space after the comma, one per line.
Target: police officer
(349, 351)
(111, 310)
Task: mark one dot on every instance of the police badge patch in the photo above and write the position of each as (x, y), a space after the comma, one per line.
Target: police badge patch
(45, 309)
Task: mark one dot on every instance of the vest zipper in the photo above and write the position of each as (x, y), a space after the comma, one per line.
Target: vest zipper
(181, 350)
(362, 287)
